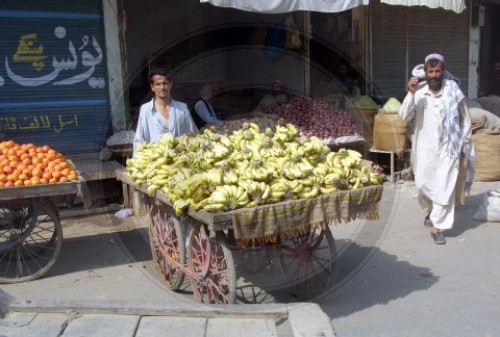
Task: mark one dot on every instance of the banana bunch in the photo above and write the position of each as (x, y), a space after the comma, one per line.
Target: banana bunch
(258, 191)
(229, 172)
(214, 151)
(279, 190)
(224, 198)
(190, 142)
(344, 158)
(247, 137)
(244, 154)
(321, 170)
(311, 187)
(313, 146)
(180, 206)
(255, 169)
(214, 176)
(285, 133)
(199, 187)
(337, 180)
(296, 168)
(269, 148)
(198, 162)
(176, 186)
(296, 188)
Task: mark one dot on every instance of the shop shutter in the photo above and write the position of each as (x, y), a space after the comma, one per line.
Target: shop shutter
(403, 36)
(53, 74)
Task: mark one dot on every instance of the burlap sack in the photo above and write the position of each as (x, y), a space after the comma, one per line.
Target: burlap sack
(487, 146)
(389, 132)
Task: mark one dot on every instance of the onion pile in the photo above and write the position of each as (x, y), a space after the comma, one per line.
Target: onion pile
(315, 117)
(236, 124)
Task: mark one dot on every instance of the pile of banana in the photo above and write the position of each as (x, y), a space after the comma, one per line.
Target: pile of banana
(247, 168)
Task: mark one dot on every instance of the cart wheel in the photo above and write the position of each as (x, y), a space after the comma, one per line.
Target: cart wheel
(36, 247)
(212, 262)
(308, 263)
(166, 239)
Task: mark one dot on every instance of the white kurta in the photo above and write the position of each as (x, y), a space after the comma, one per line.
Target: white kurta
(435, 170)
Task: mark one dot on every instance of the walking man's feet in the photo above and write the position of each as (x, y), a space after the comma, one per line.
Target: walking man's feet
(427, 221)
(438, 236)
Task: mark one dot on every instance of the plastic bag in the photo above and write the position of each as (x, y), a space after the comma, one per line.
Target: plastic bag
(489, 209)
(124, 213)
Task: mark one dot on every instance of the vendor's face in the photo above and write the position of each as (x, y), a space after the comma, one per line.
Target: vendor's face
(161, 86)
(276, 88)
(435, 77)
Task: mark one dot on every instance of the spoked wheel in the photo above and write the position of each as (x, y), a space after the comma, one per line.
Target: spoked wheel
(30, 239)
(166, 239)
(212, 262)
(308, 263)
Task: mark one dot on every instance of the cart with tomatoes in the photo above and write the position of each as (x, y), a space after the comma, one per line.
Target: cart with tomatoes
(205, 246)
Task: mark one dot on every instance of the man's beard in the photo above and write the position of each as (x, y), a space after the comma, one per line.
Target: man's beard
(435, 84)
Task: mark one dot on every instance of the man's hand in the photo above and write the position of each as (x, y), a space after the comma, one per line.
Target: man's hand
(412, 84)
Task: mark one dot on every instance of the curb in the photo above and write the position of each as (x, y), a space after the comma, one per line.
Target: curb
(302, 319)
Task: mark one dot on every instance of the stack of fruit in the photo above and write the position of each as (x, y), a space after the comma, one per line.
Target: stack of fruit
(28, 164)
(218, 172)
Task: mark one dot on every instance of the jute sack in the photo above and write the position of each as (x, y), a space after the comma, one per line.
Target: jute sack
(389, 132)
(487, 146)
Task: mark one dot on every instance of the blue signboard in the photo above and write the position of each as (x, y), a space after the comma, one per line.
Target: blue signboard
(53, 74)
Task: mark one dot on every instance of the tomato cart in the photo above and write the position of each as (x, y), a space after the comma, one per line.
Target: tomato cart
(203, 245)
(30, 230)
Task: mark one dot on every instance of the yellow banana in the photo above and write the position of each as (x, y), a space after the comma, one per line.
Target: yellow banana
(215, 208)
(310, 193)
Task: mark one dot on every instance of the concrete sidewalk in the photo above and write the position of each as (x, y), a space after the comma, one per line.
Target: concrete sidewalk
(124, 319)
(393, 281)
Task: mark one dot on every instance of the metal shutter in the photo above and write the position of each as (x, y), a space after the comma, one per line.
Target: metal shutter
(53, 74)
(403, 36)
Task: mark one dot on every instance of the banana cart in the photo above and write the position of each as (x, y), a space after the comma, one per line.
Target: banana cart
(203, 246)
(30, 230)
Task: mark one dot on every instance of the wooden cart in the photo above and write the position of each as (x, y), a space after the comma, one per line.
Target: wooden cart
(204, 246)
(30, 230)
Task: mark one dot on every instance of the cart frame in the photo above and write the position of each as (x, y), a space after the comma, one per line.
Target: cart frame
(202, 246)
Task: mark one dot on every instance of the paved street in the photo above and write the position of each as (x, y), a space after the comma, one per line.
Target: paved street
(393, 280)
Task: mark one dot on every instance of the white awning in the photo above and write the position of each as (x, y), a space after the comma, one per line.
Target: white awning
(280, 6)
(457, 6)
(327, 6)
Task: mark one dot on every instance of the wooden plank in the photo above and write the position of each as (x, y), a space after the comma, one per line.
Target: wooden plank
(34, 191)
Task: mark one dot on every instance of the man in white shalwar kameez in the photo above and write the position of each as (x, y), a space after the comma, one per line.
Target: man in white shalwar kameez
(442, 149)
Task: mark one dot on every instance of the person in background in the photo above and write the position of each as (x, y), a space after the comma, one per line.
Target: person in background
(205, 113)
(275, 96)
(343, 81)
(443, 153)
(162, 115)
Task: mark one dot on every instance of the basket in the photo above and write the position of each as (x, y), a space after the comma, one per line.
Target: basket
(122, 150)
(389, 133)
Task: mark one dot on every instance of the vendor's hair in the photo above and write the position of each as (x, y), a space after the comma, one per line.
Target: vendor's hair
(159, 71)
(432, 63)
